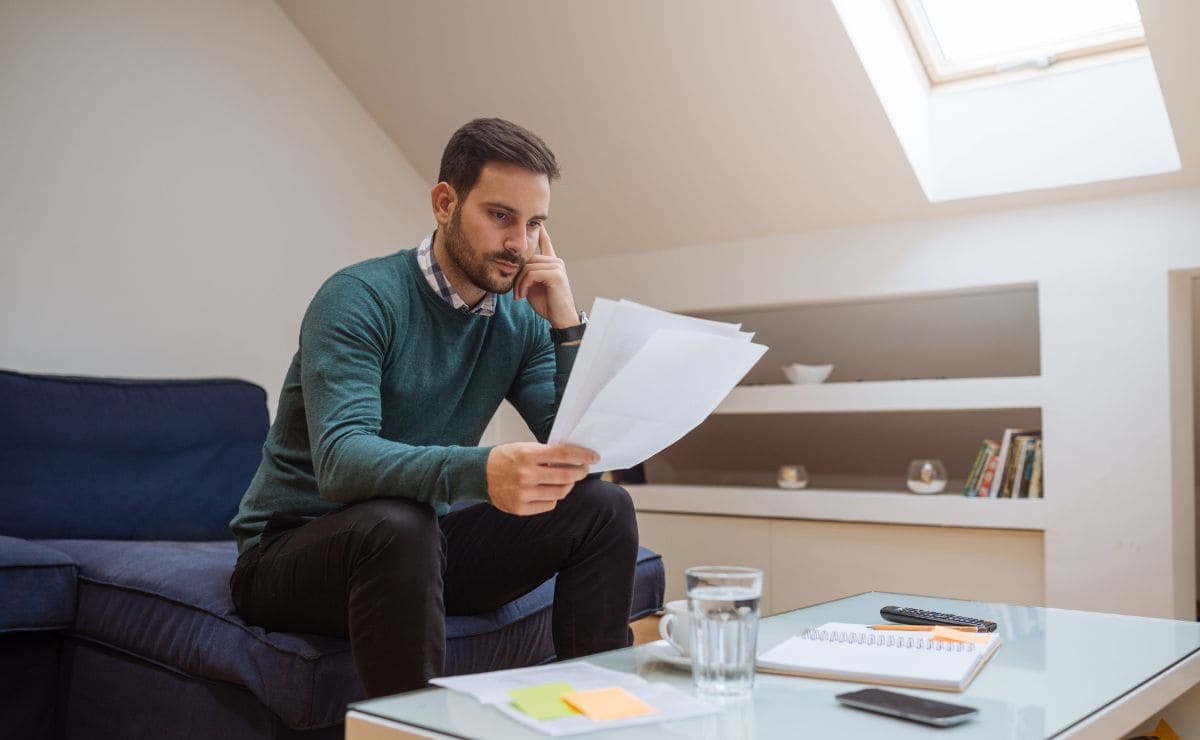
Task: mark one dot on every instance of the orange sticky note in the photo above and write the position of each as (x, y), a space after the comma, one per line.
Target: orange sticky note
(978, 638)
(608, 704)
(1165, 732)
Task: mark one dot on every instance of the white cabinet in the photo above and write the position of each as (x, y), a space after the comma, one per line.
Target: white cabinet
(806, 561)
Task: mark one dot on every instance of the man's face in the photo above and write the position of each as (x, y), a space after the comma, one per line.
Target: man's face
(494, 231)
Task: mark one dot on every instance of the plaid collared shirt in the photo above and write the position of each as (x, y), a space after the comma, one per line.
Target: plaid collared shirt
(438, 281)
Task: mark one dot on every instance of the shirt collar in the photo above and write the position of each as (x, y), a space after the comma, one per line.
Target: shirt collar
(437, 280)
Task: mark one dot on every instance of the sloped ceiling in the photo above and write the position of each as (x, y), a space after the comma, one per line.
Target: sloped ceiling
(680, 122)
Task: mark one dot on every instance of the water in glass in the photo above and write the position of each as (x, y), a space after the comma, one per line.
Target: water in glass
(724, 619)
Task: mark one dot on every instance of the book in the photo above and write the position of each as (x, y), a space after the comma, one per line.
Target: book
(855, 652)
(1035, 481)
(1004, 460)
(1021, 489)
(989, 475)
(986, 450)
(993, 490)
(973, 473)
(1021, 445)
(1013, 464)
(1006, 476)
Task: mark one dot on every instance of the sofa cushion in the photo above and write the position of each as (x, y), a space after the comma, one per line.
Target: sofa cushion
(126, 459)
(38, 587)
(169, 603)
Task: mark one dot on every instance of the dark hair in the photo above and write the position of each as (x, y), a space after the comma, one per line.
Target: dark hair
(492, 140)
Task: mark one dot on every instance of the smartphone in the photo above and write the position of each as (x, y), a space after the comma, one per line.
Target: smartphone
(938, 713)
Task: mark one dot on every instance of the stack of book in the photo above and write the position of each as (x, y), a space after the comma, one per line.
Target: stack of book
(1010, 468)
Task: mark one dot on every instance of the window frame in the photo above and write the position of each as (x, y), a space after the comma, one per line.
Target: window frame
(1097, 47)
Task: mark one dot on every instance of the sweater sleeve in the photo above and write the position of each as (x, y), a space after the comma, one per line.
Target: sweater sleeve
(539, 388)
(343, 341)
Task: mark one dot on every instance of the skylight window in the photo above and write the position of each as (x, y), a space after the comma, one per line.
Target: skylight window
(961, 39)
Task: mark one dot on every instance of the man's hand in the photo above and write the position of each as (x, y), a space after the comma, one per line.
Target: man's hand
(543, 282)
(527, 478)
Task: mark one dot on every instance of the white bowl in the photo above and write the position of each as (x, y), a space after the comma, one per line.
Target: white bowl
(807, 374)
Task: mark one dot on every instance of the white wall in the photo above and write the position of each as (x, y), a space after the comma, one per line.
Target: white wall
(1120, 506)
(176, 179)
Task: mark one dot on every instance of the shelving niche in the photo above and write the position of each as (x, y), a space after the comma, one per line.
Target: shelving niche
(914, 377)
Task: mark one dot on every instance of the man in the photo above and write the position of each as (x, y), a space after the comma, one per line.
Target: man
(346, 528)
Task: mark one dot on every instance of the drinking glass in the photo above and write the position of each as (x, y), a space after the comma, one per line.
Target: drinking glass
(723, 610)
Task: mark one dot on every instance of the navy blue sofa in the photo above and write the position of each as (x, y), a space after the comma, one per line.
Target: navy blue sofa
(115, 554)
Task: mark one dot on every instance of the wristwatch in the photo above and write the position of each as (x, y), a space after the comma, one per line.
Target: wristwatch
(571, 333)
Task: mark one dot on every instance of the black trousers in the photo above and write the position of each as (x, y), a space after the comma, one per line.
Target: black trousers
(386, 572)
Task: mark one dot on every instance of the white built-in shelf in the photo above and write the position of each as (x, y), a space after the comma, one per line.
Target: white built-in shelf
(956, 394)
(941, 510)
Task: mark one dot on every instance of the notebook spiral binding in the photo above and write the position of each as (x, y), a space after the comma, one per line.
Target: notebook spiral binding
(887, 640)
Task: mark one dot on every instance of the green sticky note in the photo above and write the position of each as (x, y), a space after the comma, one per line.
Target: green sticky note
(544, 701)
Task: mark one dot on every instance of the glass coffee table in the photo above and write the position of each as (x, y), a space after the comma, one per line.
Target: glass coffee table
(1057, 673)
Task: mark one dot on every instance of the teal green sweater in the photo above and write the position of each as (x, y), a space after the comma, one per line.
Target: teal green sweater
(390, 392)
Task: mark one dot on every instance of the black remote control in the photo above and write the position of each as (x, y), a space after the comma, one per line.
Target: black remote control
(912, 615)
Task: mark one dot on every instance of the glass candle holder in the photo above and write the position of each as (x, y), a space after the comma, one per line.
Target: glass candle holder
(926, 476)
(792, 477)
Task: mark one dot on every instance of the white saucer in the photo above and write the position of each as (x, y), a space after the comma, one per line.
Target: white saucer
(666, 652)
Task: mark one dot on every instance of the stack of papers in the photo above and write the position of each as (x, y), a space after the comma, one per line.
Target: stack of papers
(573, 698)
(643, 378)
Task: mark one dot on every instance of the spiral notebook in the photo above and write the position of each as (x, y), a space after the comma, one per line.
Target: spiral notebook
(855, 652)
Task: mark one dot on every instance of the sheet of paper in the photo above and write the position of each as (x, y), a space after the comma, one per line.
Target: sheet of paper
(644, 378)
(673, 382)
(605, 705)
(669, 704)
(492, 688)
(544, 701)
(616, 331)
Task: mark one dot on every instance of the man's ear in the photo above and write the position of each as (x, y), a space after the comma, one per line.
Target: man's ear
(443, 199)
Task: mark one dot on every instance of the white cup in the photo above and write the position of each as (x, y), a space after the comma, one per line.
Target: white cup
(674, 626)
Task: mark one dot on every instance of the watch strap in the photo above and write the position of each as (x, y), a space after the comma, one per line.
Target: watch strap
(571, 333)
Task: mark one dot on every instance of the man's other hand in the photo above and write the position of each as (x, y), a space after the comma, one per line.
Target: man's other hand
(543, 282)
(527, 478)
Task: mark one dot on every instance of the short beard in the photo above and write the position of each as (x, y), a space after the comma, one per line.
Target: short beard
(473, 265)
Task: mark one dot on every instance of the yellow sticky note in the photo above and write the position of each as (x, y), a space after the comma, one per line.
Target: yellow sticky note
(950, 635)
(608, 704)
(544, 701)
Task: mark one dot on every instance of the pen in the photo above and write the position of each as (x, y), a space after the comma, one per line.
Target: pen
(919, 627)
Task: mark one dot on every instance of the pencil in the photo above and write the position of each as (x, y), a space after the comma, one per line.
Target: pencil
(920, 627)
